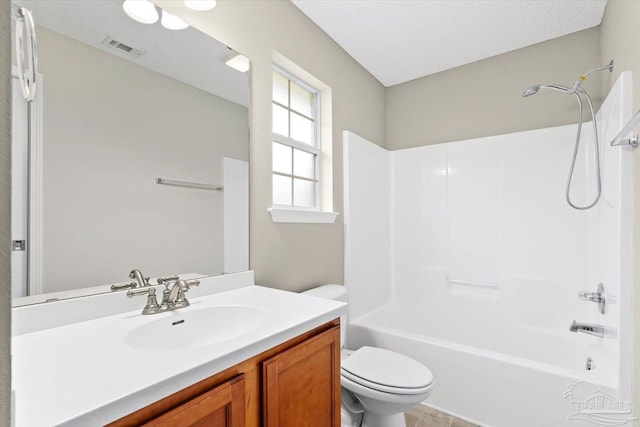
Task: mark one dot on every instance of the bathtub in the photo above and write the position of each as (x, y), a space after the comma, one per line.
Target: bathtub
(493, 374)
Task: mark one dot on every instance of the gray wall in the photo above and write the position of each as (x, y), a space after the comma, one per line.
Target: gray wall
(5, 212)
(110, 127)
(293, 256)
(621, 41)
(484, 98)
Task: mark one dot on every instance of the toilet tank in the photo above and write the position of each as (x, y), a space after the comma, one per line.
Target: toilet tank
(337, 293)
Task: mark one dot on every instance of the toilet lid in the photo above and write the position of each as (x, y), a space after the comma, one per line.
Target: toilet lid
(387, 368)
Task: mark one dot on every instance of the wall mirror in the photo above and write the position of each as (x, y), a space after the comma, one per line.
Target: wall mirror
(120, 105)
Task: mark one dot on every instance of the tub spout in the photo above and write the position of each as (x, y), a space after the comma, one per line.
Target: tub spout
(586, 328)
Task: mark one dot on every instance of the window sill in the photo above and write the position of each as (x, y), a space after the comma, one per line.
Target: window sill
(302, 216)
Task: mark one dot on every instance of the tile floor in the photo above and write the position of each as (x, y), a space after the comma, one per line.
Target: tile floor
(423, 416)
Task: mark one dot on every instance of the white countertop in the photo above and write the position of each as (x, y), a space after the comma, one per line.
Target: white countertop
(84, 374)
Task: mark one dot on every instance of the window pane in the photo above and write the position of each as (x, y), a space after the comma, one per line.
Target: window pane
(304, 164)
(302, 129)
(304, 193)
(280, 120)
(281, 190)
(301, 100)
(281, 158)
(280, 89)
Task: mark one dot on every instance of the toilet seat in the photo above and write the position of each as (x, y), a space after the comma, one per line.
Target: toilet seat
(386, 371)
(391, 396)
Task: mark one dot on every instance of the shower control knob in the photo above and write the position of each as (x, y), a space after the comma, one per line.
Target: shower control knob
(590, 296)
(598, 297)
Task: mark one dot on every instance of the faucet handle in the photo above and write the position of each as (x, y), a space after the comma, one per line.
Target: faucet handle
(141, 291)
(589, 296)
(121, 286)
(599, 297)
(168, 279)
(152, 305)
(191, 283)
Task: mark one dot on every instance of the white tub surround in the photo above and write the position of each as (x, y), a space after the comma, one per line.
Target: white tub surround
(471, 261)
(367, 220)
(85, 373)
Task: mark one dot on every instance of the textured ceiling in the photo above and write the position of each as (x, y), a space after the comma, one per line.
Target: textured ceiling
(185, 55)
(401, 40)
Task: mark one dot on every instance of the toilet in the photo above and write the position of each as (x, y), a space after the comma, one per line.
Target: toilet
(377, 385)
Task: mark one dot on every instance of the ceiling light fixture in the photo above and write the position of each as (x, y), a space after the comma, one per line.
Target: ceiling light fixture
(200, 4)
(238, 62)
(141, 10)
(172, 22)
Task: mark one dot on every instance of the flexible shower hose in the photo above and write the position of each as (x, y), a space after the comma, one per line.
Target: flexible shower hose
(577, 146)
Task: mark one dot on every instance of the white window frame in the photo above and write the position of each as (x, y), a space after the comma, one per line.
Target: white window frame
(314, 149)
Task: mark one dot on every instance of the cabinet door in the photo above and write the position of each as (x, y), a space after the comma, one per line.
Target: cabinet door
(301, 385)
(222, 406)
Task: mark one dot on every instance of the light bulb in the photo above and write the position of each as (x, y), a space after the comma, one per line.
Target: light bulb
(141, 10)
(200, 4)
(172, 22)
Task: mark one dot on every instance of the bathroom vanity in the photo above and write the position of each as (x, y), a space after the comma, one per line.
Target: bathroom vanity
(296, 380)
(244, 356)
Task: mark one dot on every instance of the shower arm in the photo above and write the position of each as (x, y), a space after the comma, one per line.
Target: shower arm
(596, 69)
(583, 77)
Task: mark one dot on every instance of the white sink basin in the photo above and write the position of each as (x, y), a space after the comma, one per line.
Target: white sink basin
(195, 328)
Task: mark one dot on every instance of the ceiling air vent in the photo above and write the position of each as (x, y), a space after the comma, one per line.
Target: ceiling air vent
(123, 48)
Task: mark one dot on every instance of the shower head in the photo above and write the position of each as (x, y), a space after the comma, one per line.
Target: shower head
(532, 90)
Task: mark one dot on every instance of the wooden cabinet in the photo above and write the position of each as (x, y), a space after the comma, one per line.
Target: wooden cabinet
(296, 383)
(301, 385)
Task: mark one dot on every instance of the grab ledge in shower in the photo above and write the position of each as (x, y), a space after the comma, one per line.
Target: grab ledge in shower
(473, 289)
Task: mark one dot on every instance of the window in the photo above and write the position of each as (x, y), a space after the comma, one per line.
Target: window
(296, 142)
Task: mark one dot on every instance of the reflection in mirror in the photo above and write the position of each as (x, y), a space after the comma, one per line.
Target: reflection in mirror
(119, 105)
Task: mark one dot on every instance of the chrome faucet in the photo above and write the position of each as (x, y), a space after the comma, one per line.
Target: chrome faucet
(172, 297)
(587, 328)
